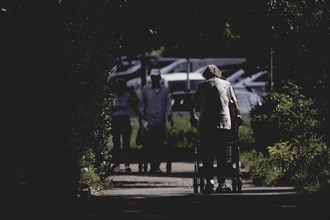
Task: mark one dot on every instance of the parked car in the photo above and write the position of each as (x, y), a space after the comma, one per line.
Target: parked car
(222, 61)
(256, 83)
(179, 81)
(129, 70)
(198, 65)
(174, 81)
(246, 100)
(160, 62)
(126, 69)
(236, 76)
(181, 65)
(228, 66)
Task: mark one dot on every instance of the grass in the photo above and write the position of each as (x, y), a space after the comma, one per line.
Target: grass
(248, 158)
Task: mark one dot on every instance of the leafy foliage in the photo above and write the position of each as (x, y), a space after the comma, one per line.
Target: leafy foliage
(302, 162)
(292, 152)
(265, 171)
(246, 136)
(296, 118)
(248, 158)
(183, 134)
(283, 115)
(91, 99)
(92, 175)
(300, 31)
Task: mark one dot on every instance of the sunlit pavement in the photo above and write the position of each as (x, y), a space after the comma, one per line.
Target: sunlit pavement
(170, 196)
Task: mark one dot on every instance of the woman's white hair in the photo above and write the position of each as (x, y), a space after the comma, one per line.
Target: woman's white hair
(211, 71)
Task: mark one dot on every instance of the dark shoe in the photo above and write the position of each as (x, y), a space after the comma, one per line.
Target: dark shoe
(143, 167)
(115, 168)
(209, 189)
(128, 169)
(155, 171)
(223, 189)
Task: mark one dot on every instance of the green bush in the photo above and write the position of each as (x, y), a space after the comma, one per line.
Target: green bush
(248, 158)
(90, 98)
(92, 174)
(290, 149)
(311, 164)
(265, 171)
(184, 135)
(246, 136)
(282, 116)
(302, 162)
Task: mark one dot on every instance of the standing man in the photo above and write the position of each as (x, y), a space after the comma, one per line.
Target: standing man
(155, 105)
(218, 106)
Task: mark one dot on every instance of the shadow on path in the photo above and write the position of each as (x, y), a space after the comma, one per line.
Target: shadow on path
(197, 206)
(170, 196)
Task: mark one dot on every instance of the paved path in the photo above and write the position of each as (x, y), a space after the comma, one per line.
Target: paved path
(178, 182)
(170, 196)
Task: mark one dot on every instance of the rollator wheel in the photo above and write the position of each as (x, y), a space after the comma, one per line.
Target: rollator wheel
(195, 185)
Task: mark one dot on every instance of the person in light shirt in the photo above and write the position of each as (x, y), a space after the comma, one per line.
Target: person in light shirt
(121, 123)
(155, 107)
(217, 102)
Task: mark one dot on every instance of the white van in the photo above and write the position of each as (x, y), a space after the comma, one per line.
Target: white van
(174, 81)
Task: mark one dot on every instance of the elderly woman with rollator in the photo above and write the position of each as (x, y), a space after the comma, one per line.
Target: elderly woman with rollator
(217, 103)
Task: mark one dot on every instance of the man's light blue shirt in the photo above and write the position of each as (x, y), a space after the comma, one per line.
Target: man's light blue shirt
(155, 105)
